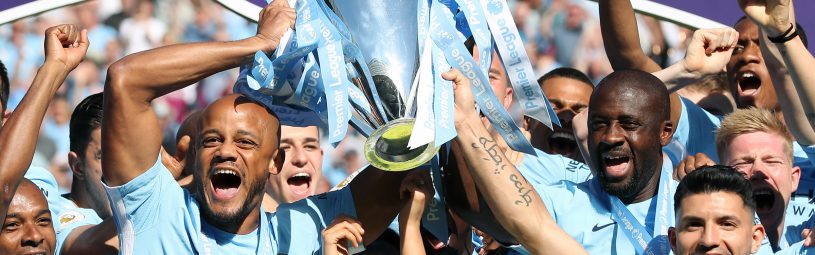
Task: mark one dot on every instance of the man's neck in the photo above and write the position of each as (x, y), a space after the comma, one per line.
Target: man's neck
(82, 198)
(248, 225)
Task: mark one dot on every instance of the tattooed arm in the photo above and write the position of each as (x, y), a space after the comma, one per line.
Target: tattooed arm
(514, 202)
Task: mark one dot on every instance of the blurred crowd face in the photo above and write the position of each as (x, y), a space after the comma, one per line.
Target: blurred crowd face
(568, 98)
(749, 79)
(303, 166)
(761, 157)
(28, 228)
(715, 223)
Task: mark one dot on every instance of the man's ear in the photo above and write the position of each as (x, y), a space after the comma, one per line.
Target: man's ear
(758, 237)
(666, 134)
(508, 97)
(76, 165)
(672, 239)
(181, 149)
(277, 162)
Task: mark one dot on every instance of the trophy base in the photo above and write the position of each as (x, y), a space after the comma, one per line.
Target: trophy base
(387, 149)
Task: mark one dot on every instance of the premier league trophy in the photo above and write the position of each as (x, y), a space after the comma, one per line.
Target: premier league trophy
(385, 33)
(376, 65)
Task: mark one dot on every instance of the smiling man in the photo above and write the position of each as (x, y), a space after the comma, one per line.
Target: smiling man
(715, 214)
(28, 227)
(302, 167)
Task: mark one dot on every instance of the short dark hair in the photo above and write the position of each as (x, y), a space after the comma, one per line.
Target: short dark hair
(86, 118)
(566, 72)
(4, 87)
(718, 178)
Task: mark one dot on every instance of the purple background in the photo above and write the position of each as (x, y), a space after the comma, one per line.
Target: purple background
(7, 4)
(728, 12)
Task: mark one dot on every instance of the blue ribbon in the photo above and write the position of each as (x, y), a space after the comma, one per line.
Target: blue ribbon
(477, 23)
(516, 62)
(446, 37)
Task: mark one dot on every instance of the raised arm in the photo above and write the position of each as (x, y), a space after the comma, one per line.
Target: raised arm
(789, 62)
(707, 53)
(130, 130)
(65, 46)
(514, 202)
(621, 37)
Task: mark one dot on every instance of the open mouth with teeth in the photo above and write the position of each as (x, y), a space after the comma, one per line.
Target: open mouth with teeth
(616, 165)
(562, 142)
(300, 184)
(225, 184)
(765, 199)
(749, 83)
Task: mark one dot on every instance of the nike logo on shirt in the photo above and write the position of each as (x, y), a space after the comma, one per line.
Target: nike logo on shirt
(598, 226)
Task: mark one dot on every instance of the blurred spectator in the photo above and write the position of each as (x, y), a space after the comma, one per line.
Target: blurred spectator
(142, 31)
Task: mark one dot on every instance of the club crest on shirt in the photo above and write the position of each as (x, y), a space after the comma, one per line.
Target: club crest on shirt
(68, 218)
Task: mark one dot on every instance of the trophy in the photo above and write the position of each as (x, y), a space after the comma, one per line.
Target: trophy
(385, 34)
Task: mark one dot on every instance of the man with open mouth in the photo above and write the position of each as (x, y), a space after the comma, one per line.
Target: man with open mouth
(568, 90)
(302, 167)
(758, 145)
(236, 150)
(628, 124)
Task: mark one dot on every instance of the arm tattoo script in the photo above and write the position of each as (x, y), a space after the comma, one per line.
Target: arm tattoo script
(519, 183)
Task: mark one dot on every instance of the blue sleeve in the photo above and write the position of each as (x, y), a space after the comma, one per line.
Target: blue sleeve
(139, 203)
(696, 130)
(797, 248)
(299, 225)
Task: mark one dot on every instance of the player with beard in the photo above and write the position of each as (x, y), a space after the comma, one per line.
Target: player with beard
(751, 83)
(28, 227)
(235, 151)
(628, 124)
(693, 129)
(302, 167)
(628, 121)
(568, 90)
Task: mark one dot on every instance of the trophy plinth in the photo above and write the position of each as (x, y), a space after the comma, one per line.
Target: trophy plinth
(387, 149)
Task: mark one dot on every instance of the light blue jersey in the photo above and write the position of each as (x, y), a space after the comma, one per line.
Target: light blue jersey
(155, 215)
(548, 169)
(581, 211)
(696, 131)
(801, 209)
(64, 212)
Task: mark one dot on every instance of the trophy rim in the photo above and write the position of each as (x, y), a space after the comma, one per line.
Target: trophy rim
(377, 161)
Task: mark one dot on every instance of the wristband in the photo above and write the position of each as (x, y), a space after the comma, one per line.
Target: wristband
(786, 36)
